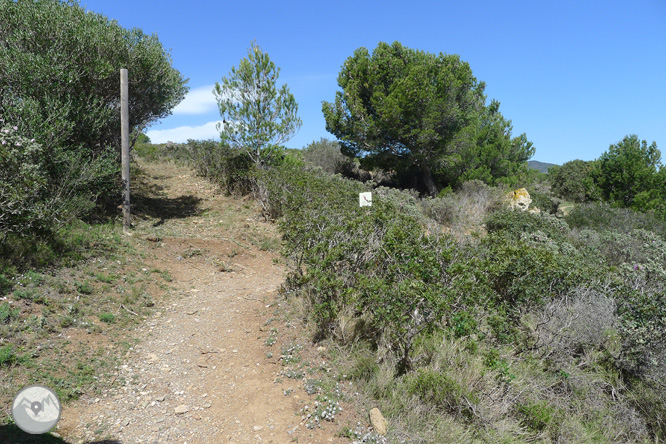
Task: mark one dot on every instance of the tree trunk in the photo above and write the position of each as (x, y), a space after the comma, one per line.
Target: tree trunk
(428, 181)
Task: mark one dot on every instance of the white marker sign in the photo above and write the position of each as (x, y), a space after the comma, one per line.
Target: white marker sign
(365, 199)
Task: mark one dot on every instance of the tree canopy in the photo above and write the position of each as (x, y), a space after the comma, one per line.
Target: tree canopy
(59, 75)
(257, 116)
(409, 110)
(629, 173)
(60, 91)
(574, 181)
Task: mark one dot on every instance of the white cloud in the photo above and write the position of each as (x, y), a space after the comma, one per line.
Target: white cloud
(198, 101)
(183, 133)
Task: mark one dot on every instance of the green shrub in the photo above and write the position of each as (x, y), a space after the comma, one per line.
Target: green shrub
(574, 181)
(524, 274)
(544, 202)
(374, 259)
(109, 318)
(629, 170)
(7, 355)
(649, 398)
(326, 155)
(23, 182)
(515, 223)
(365, 366)
(601, 216)
(443, 392)
(538, 416)
(7, 313)
(642, 329)
(59, 65)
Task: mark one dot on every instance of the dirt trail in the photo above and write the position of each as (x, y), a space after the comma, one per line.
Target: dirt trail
(200, 372)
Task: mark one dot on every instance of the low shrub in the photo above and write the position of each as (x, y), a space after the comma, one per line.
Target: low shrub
(601, 216)
(539, 416)
(525, 274)
(23, 182)
(326, 155)
(586, 319)
(439, 390)
(514, 223)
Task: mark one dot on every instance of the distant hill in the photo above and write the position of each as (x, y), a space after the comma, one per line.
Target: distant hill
(541, 166)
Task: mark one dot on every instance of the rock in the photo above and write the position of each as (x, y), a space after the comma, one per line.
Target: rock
(519, 200)
(257, 428)
(378, 422)
(181, 409)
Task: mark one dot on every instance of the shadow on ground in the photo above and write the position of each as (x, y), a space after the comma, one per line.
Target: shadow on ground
(165, 208)
(150, 200)
(11, 434)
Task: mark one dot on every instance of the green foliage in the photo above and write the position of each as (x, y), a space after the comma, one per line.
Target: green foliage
(7, 313)
(373, 259)
(524, 274)
(108, 318)
(628, 172)
(23, 182)
(59, 71)
(7, 355)
(257, 117)
(650, 399)
(544, 201)
(423, 116)
(517, 223)
(602, 216)
(538, 416)
(493, 157)
(443, 392)
(326, 154)
(574, 181)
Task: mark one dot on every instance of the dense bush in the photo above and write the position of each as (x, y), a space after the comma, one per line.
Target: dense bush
(602, 216)
(59, 75)
(22, 183)
(375, 259)
(515, 223)
(628, 172)
(574, 181)
(32, 202)
(550, 323)
(326, 154)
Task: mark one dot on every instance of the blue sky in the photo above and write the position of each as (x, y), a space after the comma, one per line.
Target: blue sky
(575, 76)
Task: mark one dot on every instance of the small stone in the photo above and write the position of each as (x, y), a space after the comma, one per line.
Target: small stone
(257, 428)
(181, 409)
(378, 422)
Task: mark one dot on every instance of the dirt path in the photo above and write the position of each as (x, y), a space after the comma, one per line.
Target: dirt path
(201, 371)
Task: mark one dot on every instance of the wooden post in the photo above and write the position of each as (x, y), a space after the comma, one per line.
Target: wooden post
(124, 136)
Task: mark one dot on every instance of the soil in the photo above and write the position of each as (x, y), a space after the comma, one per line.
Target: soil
(201, 370)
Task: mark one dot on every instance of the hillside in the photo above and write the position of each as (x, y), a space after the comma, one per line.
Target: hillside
(540, 166)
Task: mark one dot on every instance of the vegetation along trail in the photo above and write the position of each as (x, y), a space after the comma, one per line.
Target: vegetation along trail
(203, 370)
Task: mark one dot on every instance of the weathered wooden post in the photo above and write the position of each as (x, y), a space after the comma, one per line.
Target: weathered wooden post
(124, 130)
